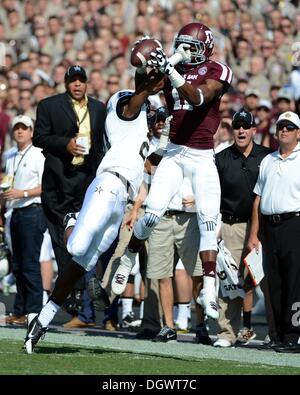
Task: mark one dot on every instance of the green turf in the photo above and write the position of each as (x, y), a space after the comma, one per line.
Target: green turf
(65, 359)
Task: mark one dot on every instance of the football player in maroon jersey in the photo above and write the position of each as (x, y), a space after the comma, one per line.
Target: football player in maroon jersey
(193, 90)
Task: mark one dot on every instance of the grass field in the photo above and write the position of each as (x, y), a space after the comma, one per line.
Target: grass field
(65, 359)
(80, 354)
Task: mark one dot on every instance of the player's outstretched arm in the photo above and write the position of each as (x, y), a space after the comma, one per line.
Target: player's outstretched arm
(196, 96)
(150, 84)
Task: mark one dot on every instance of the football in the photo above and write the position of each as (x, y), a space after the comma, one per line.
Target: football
(141, 52)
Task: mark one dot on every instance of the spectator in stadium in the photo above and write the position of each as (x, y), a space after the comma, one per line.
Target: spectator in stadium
(177, 229)
(26, 107)
(4, 125)
(24, 169)
(274, 68)
(284, 102)
(251, 100)
(238, 170)
(224, 136)
(240, 60)
(278, 220)
(263, 121)
(96, 85)
(257, 79)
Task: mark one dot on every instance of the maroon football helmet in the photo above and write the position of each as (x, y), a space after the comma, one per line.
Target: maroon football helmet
(200, 39)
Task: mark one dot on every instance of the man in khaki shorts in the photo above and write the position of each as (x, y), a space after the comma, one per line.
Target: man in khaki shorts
(177, 230)
(128, 320)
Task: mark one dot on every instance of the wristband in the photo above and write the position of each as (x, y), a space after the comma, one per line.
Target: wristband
(176, 79)
(25, 194)
(201, 98)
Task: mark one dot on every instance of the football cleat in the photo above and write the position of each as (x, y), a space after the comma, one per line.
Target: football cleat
(202, 336)
(96, 292)
(35, 332)
(166, 334)
(131, 322)
(120, 278)
(245, 335)
(222, 343)
(208, 301)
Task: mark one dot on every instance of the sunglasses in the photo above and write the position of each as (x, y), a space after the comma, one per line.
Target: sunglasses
(245, 126)
(289, 127)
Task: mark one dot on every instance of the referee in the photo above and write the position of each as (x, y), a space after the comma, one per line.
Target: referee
(278, 202)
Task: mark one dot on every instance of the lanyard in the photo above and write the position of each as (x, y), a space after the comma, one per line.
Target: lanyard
(79, 121)
(18, 165)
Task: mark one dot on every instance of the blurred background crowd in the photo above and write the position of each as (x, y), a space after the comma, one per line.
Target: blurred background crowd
(258, 39)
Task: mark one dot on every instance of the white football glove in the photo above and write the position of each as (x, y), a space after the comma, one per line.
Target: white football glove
(160, 61)
(184, 51)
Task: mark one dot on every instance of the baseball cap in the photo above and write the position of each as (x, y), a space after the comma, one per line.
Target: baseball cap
(242, 118)
(265, 104)
(251, 92)
(24, 119)
(289, 116)
(161, 114)
(284, 93)
(75, 70)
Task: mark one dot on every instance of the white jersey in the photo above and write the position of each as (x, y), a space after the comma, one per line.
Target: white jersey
(128, 141)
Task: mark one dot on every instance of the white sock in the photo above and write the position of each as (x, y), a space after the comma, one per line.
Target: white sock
(189, 312)
(183, 315)
(47, 313)
(126, 306)
(131, 256)
(175, 312)
(45, 297)
(209, 283)
(141, 309)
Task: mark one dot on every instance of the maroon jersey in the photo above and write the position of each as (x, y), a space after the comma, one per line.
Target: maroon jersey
(194, 126)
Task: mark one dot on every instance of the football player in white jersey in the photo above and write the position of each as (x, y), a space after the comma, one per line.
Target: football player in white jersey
(118, 176)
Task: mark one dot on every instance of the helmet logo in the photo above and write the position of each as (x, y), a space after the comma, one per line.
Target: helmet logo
(209, 38)
(202, 70)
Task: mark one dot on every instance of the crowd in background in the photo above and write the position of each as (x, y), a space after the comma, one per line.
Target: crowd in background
(259, 40)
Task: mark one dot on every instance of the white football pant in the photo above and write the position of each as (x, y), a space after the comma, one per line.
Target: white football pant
(99, 220)
(178, 162)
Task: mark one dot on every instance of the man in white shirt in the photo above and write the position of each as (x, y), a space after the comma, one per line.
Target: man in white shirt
(24, 168)
(277, 208)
